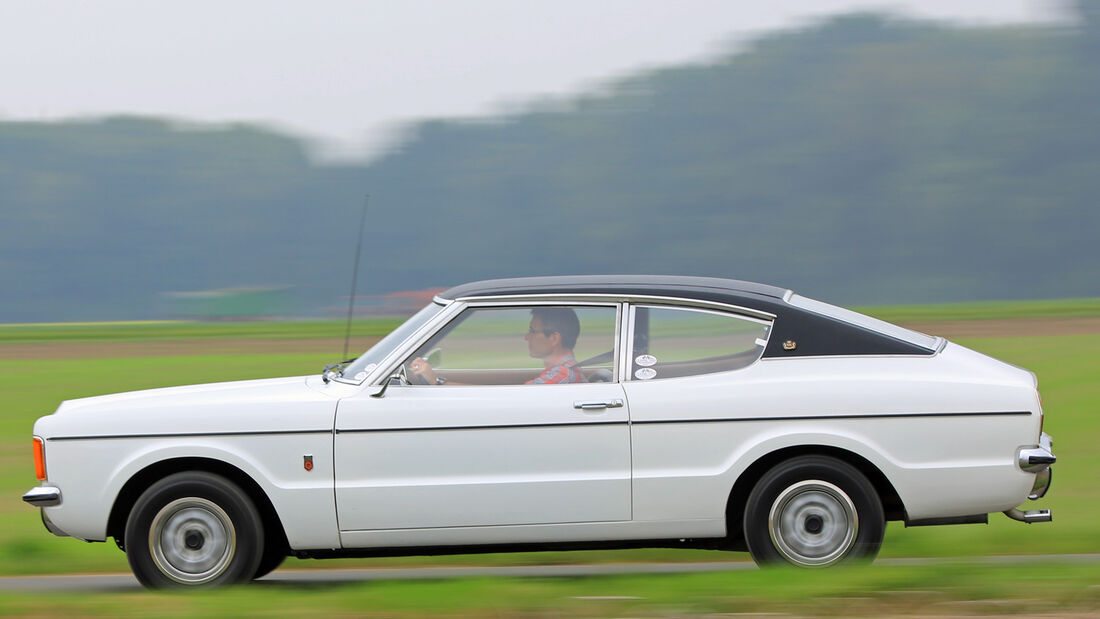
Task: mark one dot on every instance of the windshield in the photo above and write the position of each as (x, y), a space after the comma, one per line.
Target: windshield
(358, 370)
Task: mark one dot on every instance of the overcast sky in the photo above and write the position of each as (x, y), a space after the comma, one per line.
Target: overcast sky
(344, 72)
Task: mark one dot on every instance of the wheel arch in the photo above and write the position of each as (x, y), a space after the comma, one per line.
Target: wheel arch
(735, 505)
(274, 532)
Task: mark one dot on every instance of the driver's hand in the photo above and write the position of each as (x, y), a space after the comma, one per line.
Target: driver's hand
(420, 367)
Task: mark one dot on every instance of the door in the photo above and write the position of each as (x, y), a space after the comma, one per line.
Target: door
(514, 429)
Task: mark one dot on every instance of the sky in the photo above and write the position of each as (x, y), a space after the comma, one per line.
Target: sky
(349, 74)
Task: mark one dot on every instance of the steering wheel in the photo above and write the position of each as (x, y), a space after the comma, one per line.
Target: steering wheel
(411, 377)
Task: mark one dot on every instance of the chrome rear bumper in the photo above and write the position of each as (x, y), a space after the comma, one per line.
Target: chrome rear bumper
(1030, 516)
(1036, 459)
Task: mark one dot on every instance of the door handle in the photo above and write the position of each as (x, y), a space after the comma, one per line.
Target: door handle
(596, 405)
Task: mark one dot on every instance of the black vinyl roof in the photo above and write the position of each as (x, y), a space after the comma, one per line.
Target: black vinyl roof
(796, 332)
(700, 287)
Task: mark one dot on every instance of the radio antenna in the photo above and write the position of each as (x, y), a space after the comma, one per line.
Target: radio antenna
(355, 275)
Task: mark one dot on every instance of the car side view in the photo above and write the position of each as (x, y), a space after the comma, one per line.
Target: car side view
(559, 412)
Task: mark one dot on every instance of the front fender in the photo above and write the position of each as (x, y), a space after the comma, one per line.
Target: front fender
(92, 474)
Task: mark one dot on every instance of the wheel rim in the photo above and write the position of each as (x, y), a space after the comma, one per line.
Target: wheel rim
(813, 523)
(192, 540)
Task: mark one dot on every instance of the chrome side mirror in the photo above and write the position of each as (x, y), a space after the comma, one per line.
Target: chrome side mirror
(386, 385)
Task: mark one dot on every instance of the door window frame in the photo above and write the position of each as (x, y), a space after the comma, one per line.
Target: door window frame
(458, 308)
(630, 311)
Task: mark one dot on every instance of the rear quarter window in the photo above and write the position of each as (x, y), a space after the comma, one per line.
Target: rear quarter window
(671, 342)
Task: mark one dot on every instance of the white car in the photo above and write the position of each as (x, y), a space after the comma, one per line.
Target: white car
(559, 412)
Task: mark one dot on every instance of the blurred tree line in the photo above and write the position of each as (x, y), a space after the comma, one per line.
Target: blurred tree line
(863, 160)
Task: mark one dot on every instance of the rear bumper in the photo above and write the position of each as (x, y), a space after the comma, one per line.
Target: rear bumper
(1036, 459)
(1030, 516)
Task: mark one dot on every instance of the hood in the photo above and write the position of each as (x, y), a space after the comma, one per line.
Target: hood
(276, 404)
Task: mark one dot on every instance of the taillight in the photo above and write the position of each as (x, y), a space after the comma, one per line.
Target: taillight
(39, 459)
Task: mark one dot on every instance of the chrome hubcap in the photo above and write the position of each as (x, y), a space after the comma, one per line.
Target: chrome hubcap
(813, 523)
(192, 540)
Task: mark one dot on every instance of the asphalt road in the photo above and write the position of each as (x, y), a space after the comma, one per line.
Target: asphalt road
(297, 578)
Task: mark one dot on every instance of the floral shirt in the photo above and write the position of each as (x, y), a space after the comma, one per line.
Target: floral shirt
(564, 371)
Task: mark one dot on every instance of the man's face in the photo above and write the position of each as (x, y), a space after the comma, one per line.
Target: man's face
(538, 343)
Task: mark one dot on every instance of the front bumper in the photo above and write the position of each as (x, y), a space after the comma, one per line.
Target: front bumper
(43, 496)
(1036, 459)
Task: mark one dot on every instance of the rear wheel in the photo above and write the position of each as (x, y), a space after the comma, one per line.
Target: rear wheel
(813, 511)
(193, 529)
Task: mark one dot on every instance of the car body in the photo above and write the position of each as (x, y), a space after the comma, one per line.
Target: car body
(712, 413)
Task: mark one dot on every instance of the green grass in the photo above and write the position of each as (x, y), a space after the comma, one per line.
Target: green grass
(942, 590)
(1067, 368)
(986, 310)
(177, 330)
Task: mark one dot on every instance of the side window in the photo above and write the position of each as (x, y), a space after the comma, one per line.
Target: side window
(541, 344)
(671, 342)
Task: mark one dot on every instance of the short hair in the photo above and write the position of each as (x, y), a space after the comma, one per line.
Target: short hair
(562, 320)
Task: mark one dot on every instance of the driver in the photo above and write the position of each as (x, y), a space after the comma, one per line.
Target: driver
(550, 337)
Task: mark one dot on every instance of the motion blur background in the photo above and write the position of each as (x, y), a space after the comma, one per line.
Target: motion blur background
(209, 160)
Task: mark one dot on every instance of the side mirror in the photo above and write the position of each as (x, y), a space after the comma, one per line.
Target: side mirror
(389, 381)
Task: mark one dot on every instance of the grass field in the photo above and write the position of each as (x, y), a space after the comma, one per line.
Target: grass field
(1069, 378)
(174, 330)
(952, 590)
(986, 310)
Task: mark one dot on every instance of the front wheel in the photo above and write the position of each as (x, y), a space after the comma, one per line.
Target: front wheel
(813, 511)
(193, 529)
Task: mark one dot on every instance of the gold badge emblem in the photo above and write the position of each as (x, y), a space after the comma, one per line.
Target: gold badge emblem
(790, 345)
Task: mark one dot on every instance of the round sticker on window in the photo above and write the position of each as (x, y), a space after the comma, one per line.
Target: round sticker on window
(645, 373)
(646, 360)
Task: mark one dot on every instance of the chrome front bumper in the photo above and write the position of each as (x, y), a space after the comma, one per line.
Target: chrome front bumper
(1036, 459)
(43, 496)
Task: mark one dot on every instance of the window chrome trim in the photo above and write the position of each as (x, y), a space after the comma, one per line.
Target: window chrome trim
(712, 312)
(627, 343)
(616, 346)
(625, 298)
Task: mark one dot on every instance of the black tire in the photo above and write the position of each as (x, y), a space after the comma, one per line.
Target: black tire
(813, 511)
(193, 529)
(274, 555)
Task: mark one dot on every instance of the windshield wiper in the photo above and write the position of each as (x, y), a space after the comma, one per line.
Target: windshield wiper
(335, 370)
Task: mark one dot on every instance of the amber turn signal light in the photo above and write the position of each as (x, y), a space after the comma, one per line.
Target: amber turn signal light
(39, 459)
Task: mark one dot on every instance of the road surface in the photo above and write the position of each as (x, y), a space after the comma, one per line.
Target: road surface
(295, 578)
